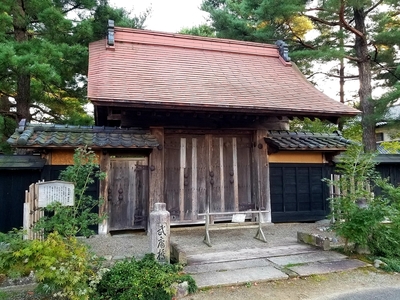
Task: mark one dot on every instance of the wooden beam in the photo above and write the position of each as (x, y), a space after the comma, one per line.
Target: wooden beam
(261, 173)
(182, 167)
(221, 172)
(194, 180)
(209, 186)
(104, 209)
(156, 185)
(235, 174)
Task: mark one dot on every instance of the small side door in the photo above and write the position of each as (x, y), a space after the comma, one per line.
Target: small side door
(128, 193)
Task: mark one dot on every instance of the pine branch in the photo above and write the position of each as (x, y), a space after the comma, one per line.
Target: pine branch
(333, 75)
(299, 39)
(347, 25)
(373, 7)
(322, 21)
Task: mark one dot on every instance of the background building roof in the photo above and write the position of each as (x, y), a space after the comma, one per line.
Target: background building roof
(154, 69)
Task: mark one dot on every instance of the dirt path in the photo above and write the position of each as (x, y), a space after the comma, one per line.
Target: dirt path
(310, 288)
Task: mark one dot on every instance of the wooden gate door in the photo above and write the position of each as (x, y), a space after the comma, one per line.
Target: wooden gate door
(230, 174)
(202, 168)
(128, 193)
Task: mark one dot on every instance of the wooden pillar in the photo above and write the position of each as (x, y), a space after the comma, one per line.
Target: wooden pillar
(261, 174)
(209, 174)
(182, 169)
(104, 208)
(156, 165)
(195, 209)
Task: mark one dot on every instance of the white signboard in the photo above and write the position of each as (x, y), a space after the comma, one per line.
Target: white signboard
(55, 191)
(238, 218)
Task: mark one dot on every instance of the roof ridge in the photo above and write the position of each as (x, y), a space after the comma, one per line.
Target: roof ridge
(300, 133)
(149, 37)
(195, 37)
(81, 128)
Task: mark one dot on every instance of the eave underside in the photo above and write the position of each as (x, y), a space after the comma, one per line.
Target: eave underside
(143, 114)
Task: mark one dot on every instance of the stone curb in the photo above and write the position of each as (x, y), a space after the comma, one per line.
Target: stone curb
(314, 240)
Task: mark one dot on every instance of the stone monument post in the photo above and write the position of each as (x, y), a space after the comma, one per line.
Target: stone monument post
(160, 233)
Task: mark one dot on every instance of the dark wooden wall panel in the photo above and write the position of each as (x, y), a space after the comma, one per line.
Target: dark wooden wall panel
(298, 192)
(13, 184)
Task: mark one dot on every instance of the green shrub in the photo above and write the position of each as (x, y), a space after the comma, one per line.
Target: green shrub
(63, 267)
(144, 279)
(365, 225)
(392, 264)
(75, 220)
(9, 244)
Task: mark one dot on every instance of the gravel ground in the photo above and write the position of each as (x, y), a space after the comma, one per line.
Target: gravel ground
(317, 287)
(191, 238)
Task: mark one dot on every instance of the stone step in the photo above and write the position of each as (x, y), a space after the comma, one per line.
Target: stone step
(238, 276)
(247, 254)
(265, 264)
(303, 258)
(323, 267)
(227, 266)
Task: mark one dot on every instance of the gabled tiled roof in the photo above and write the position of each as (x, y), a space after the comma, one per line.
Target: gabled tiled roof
(160, 70)
(37, 135)
(286, 140)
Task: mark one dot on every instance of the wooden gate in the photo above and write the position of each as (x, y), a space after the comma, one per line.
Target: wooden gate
(201, 168)
(128, 193)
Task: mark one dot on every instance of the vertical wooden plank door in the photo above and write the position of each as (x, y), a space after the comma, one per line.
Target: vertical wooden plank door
(185, 169)
(230, 174)
(201, 167)
(128, 193)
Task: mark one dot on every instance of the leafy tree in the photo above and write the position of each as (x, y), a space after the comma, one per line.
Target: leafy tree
(44, 55)
(309, 125)
(364, 34)
(200, 30)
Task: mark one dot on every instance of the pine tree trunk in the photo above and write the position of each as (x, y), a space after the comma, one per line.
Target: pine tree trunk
(23, 78)
(23, 96)
(365, 91)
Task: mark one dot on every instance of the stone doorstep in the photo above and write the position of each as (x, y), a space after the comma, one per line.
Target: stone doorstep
(250, 253)
(178, 254)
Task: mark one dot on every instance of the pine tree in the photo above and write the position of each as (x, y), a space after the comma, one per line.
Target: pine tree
(364, 33)
(44, 55)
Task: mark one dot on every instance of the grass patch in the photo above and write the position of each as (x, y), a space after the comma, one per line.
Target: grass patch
(293, 265)
(318, 278)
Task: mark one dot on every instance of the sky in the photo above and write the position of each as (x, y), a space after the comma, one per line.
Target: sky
(167, 15)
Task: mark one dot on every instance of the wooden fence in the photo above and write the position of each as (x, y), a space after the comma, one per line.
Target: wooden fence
(336, 189)
(32, 213)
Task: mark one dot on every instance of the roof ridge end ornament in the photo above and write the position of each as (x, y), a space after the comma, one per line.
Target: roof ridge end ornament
(21, 125)
(110, 33)
(283, 50)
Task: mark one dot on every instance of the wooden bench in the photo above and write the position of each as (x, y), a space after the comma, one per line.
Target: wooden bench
(259, 235)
